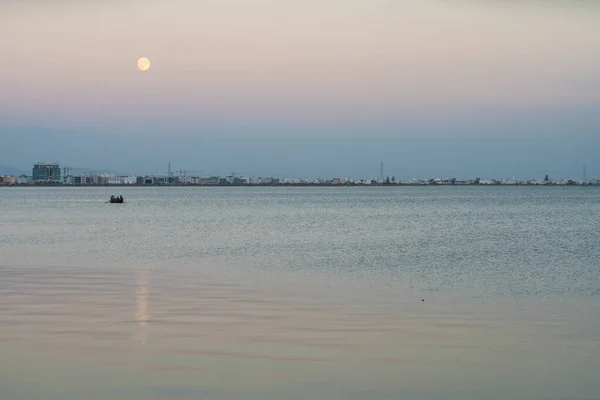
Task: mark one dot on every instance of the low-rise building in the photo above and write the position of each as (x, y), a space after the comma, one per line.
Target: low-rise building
(24, 180)
(209, 181)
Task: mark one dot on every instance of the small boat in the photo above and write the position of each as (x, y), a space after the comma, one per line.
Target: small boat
(117, 199)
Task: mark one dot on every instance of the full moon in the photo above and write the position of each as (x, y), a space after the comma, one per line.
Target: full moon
(143, 64)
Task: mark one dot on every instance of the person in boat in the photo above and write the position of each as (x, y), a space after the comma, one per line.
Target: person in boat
(112, 197)
(121, 198)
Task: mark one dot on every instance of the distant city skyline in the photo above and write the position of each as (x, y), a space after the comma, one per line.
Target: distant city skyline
(582, 172)
(54, 174)
(520, 157)
(313, 88)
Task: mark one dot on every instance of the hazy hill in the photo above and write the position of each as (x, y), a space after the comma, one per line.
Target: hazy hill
(6, 170)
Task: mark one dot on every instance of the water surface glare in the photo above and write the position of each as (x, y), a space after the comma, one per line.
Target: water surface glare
(300, 293)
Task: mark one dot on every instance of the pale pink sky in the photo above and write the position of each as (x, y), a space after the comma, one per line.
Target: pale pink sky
(309, 60)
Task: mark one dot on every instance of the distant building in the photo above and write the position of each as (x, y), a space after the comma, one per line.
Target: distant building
(213, 180)
(79, 180)
(23, 180)
(46, 173)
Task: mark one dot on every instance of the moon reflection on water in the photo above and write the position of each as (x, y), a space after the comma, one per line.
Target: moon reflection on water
(142, 294)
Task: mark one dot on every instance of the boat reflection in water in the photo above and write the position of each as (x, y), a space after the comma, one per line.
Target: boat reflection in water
(141, 310)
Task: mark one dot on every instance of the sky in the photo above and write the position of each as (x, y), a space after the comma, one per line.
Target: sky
(307, 89)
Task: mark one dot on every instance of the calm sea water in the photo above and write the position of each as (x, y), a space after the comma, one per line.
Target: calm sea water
(300, 293)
